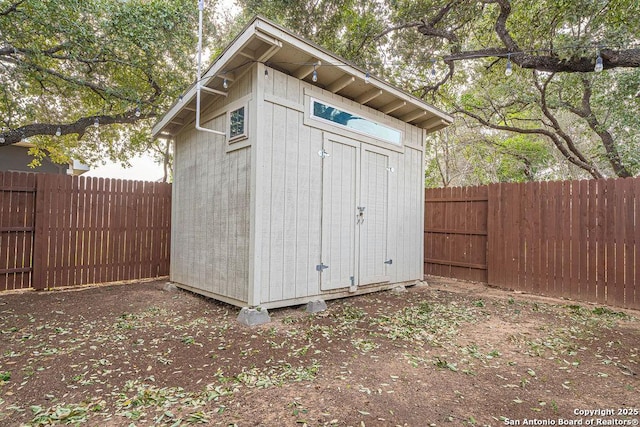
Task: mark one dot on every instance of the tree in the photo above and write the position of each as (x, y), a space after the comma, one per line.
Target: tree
(454, 53)
(552, 46)
(86, 78)
(341, 26)
(464, 155)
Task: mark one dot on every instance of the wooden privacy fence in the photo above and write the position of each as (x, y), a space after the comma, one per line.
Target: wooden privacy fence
(574, 239)
(58, 230)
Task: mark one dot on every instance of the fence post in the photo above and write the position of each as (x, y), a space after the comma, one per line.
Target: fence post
(39, 235)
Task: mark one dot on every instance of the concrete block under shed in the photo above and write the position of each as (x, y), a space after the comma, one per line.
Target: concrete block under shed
(316, 306)
(253, 316)
(170, 287)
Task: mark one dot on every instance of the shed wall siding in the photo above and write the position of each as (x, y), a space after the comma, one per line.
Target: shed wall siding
(290, 184)
(290, 181)
(211, 199)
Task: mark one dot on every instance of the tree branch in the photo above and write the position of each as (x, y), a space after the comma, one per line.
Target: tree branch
(605, 136)
(79, 127)
(78, 82)
(554, 122)
(396, 28)
(537, 131)
(11, 8)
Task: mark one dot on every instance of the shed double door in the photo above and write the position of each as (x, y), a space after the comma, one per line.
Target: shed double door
(355, 214)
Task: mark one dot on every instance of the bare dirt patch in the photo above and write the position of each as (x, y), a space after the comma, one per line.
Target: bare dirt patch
(451, 353)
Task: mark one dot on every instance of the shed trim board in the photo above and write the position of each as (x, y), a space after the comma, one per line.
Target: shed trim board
(299, 209)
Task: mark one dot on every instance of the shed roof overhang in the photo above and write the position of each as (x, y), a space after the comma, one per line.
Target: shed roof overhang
(265, 42)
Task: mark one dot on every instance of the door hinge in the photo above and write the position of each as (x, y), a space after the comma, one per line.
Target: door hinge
(321, 267)
(389, 261)
(322, 153)
(353, 280)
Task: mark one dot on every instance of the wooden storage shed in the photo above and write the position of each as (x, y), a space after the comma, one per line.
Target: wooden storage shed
(315, 190)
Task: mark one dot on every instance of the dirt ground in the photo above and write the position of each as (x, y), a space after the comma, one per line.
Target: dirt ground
(446, 354)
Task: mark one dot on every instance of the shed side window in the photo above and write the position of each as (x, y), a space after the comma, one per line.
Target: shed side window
(237, 124)
(326, 112)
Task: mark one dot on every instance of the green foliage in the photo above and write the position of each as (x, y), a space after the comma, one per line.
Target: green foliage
(71, 59)
(107, 57)
(343, 27)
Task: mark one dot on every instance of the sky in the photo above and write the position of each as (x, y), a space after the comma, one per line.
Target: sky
(143, 168)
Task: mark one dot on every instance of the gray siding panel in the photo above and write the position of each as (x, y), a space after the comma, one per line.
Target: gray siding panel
(210, 236)
(290, 182)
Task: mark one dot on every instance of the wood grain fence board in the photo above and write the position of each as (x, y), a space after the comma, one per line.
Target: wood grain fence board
(565, 244)
(108, 232)
(536, 241)
(56, 232)
(4, 256)
(4, 223)
(19, 218)
(456, 241)
(16, 243)
(87, 242)
(624, 241)
(122, 224)
(454, 219)
(29, 224)
(166, 224)
(514, 233)
(140, 232)
(6, 251)
(492, 230)
(609, 237)
(94, 249)
(144, 229)
(583, 241)
(552, 236)
(147, 234)
(512, 236)
(72, 265)
(100, 241)
(525, 267)
(630, 243)
(130, 224)
(616, 285)
(592, 231)
(607, 244)
(37, 276)
(546, 248)
(155, 238)
(68, 249)
(636, 234)
(103, 198)
(573, 247)
(631, 247)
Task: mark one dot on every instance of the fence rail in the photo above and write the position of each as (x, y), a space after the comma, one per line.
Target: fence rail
(574, 239)
(61, 230)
